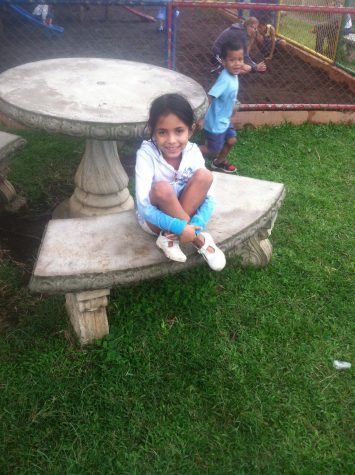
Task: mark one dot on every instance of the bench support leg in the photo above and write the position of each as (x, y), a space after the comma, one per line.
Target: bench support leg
(7, 191)
(87, 312)
(257, 250)
(10, 201)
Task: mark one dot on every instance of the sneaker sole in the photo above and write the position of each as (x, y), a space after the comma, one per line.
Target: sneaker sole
(219, 169)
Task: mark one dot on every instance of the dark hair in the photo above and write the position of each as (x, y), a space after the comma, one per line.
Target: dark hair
(265, 20)
(170, 104)
(230, 46)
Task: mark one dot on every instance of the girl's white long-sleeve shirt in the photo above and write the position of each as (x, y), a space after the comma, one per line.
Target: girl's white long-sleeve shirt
(151, 167)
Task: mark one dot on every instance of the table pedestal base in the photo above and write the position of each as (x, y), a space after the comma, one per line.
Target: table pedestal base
(101, 182)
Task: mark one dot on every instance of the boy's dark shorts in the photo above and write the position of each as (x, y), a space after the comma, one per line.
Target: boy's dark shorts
(215, 142)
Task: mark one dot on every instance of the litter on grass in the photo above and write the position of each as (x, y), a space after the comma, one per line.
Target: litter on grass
(341, 364)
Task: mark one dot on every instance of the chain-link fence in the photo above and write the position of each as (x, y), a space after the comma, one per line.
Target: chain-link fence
(324, 34)
(89, 30)
(298, 72)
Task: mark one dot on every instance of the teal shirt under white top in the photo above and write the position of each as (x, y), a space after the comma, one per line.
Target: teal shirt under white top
(224, 91)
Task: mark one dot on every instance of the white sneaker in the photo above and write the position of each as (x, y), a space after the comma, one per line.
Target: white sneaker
(173, 251)
(216, 260)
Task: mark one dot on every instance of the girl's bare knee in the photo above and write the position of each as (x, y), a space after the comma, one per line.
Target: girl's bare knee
(160, 191)
(204, 176)
(231, 141)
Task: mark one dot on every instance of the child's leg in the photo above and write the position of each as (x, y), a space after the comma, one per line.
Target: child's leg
(193, 195)
(212, 146)
(191, 199)
(219, 145)
(225, 150)
(204, 150)
(220, 163)
(164, 197)
(195, 191)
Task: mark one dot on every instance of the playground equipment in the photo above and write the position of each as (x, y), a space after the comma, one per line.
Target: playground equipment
(141, 15)
(24, 13)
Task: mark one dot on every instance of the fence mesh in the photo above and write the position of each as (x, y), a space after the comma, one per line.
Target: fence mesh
(89, 30)
(293, 75)
(298, 72)
(319, 33)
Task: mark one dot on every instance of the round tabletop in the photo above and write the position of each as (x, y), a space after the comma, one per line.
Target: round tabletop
(95, 98)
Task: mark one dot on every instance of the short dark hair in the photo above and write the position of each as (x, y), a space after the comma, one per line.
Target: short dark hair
(230, 46)
(264, 20)
(170, 104)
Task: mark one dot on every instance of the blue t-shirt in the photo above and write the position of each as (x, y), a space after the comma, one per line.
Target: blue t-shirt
(224, 91)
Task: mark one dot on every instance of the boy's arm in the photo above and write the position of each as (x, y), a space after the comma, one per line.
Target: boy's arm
(246, 68)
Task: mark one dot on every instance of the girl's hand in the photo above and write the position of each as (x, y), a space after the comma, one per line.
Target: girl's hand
(261, 67)
(171, 236)
(189, 233)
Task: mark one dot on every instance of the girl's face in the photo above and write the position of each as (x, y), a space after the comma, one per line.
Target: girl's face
(171, 136)
(262, 28)
(252, 29)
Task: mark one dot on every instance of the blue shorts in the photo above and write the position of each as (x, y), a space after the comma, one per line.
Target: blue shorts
(215, 142)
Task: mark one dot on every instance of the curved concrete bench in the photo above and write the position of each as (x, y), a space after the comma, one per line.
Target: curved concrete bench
(9, 145)
(85, 257)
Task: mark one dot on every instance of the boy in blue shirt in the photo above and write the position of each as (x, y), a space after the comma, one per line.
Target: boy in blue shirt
(220, 134)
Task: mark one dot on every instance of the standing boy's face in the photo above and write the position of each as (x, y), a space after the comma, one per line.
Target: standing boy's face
(234, 61)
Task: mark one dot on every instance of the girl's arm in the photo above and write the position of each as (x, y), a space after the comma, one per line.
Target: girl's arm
(255, 67)
(204, 213)
(273, 42)
(151, 214)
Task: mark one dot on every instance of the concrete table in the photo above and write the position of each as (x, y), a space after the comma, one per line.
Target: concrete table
(101, 100)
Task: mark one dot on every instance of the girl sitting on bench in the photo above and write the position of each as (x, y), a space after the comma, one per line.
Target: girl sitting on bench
(173, 186)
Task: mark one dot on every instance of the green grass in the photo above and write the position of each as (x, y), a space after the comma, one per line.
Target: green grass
(216, 373)
(299, 28)
(44, 170)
